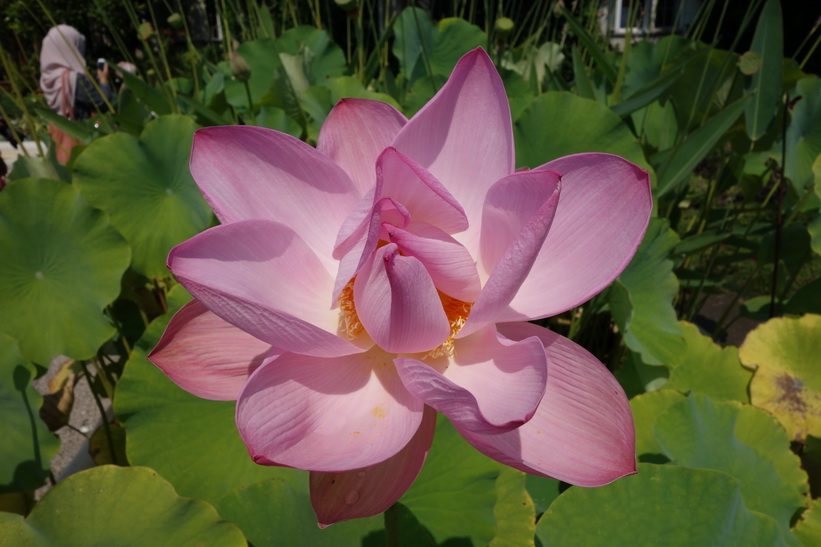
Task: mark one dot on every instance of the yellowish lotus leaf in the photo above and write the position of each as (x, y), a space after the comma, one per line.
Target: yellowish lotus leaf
(785, 354)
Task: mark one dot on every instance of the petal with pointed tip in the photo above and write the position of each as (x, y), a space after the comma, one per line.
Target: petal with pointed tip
(332, 414)
(464, 137)
(426, 198)
(601, 218)
(371, 490)
(582, 432)
(449, 264)
(491, 385)
(519, 211)
(249, 172)
(355, 133)
(397, 303)
(263, 278)
(206, 355)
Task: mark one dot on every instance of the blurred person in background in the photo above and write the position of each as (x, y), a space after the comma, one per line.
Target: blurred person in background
(66, 84)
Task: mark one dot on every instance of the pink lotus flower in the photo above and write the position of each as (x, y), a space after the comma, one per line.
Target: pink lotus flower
(354, 289)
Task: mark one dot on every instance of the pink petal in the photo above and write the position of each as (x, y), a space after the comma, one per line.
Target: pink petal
(207, 356)
(518, 214)
(371, 490)
(332, 414)
(464, 137)
(489, 386)
(582, 432)
(263, 278)
(355, 133)
(601, 217)
(402, 180)
(249, 172)
(397, 303)
(450, 265)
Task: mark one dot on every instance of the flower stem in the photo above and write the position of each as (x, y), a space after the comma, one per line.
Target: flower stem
(391, 527)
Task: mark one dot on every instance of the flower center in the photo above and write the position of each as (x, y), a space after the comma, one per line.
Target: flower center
(455, 310)
(349, 322)
(457, 313)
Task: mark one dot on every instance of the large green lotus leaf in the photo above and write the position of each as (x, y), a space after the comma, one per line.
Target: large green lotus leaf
(740, 440)
(808, 529)
(277, 512)
(804, 133)
(784, 354)
(637, 378)
(414, 34)
(641, 299)
(425, 49)
(454, 37)
(60, 266)
(192, 442)
(321, 57)
(661, 505)
(455, 494)
(807, 299)
(145, 187)
(710, 369)
(28, 445)
(595, 129)
(646, 408)
(542, 490)
(515, 511)
(112, 505)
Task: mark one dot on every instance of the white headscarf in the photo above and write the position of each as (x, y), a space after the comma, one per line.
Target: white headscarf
(61, 58)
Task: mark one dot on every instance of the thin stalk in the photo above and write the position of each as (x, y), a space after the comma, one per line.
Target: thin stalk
(736, 298)
(810, 52)
(119, 327)
(779, 208)
(108, 382)
(391, 527)
(99, 403)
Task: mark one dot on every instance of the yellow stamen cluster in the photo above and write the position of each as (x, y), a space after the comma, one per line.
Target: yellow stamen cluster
(349, 322)
(455, 310)
(457, 313)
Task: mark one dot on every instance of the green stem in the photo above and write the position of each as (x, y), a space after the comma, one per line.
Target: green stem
(99, 403)
(391, 527)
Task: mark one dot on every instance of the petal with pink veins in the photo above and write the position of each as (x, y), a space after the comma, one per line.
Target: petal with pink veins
(363, 242)
(519, 211)
(263, 278)
(249, 172)
(355, 133)
(450, 265)
(371, 490)
(401, 179)
(489, 386)
(398, 304)
(327, 415)
(207, 356)
(582, 432)
(464, 137)
(601, 218)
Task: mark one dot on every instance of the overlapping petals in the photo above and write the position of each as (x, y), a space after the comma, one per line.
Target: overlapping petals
(371, 490)
(490, 385)
(354, 290)
(208, 356)
(582, 431)
(331, 414)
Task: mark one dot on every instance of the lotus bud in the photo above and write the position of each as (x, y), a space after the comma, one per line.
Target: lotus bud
(239, 67)
(175, 21)
(503, 27)
(145, 31)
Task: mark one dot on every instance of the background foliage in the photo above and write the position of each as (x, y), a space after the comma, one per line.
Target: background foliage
(713, 329)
